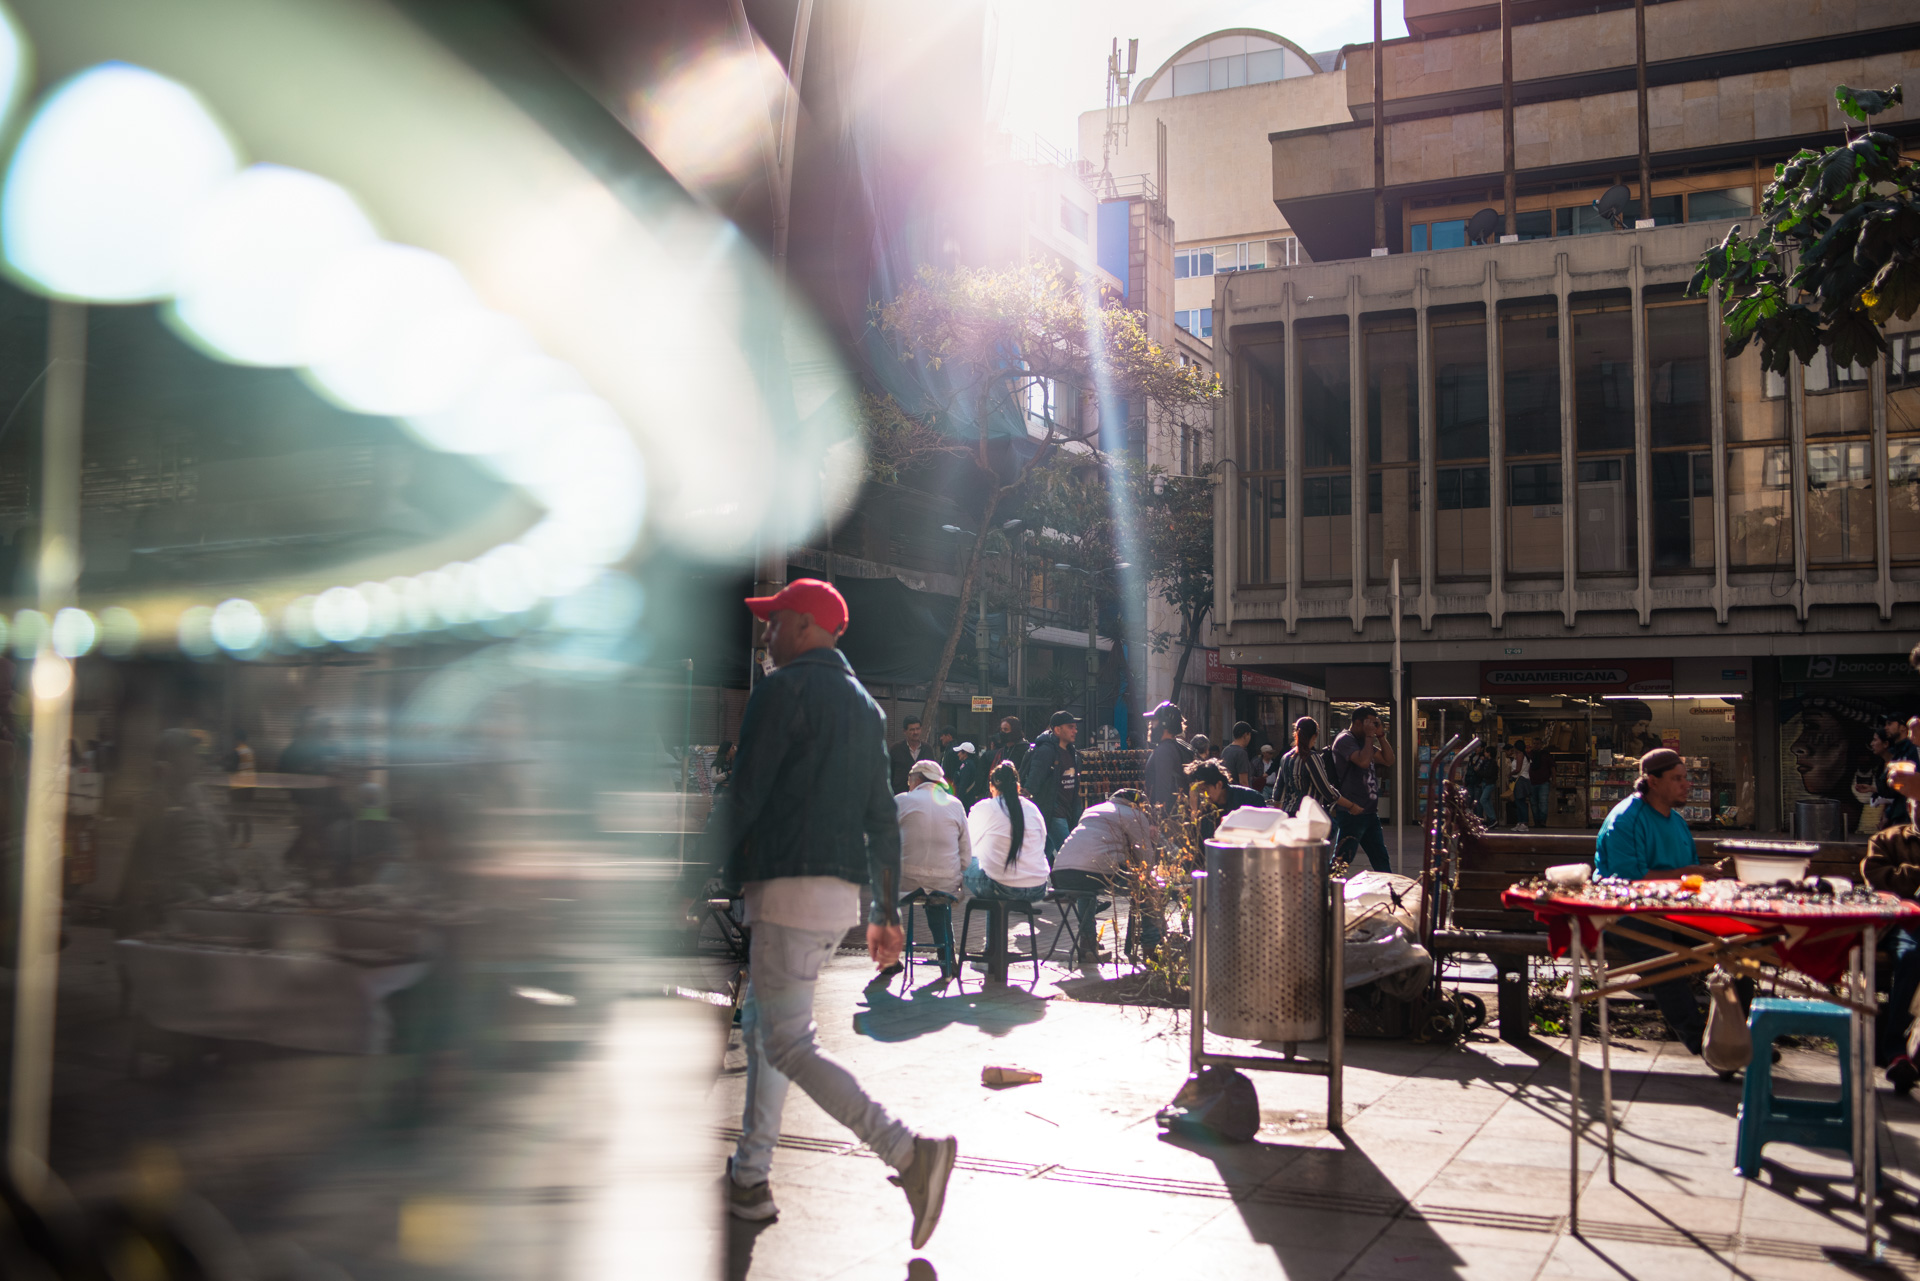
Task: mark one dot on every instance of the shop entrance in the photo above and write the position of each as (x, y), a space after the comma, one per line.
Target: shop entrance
(1583, 729)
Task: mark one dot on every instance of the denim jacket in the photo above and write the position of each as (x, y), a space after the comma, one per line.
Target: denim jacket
(809, 794)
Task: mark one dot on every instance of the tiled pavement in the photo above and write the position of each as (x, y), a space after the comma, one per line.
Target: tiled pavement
(1454, 1161)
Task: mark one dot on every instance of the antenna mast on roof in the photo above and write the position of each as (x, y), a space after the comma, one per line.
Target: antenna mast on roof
(1120, 69)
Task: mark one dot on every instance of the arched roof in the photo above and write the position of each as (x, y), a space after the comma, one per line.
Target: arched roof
(1277, 58)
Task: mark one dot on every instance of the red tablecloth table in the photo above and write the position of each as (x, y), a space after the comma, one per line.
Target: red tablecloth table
(1802, 948)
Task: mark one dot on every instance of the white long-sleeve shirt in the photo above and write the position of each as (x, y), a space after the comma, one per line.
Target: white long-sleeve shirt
(991, 831)
(934, 844)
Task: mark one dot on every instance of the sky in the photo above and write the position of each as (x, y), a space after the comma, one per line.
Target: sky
(1050, 55)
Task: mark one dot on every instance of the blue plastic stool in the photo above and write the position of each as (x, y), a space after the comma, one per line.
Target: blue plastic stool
(1810, 1123)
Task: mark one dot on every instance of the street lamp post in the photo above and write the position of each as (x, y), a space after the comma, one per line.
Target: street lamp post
(1093, 627)
(980, 628)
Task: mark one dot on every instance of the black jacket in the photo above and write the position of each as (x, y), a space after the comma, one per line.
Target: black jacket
(809, 794)
(1048, 760)
(901, 758)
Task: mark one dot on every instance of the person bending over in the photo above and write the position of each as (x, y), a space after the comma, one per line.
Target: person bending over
(1112, 836)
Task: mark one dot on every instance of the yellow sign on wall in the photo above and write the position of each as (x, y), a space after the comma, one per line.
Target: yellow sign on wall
(983, 703)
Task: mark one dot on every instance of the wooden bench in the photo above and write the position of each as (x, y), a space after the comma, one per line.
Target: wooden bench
(1492, 862)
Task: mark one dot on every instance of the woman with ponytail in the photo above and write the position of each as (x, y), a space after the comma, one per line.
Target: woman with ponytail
(1009, 839)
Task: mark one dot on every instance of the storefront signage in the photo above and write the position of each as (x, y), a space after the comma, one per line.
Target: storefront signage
(1628, 676)
(1846, 667)
(1218, 673)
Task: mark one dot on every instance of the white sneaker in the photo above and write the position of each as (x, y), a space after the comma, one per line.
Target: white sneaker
(1519, 827)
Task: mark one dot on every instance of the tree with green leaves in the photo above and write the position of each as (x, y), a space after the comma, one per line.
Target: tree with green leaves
(986, 341)
(1836, 254)
(1178, 549)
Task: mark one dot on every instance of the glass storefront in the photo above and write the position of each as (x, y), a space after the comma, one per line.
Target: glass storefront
(1594, 741)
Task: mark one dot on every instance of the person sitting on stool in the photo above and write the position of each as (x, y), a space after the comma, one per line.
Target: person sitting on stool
(1112, 836)
(1645, 838)
(1893, 864)
(933, 845)
(1009, 840)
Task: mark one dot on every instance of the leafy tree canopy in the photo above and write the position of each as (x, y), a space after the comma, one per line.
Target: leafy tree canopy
(1836, 254)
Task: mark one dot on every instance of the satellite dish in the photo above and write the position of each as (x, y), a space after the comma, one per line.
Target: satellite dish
(1613, 204)
(1482, 227)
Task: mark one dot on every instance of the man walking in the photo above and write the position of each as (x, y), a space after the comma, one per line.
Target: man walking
(1052, 778)
(905, 753)
(1235, 760)
(1168, 760)
(808, 818)
(1356, 754)
(1540, 775)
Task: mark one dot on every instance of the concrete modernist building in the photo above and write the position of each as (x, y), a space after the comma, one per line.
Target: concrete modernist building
(1609, 536)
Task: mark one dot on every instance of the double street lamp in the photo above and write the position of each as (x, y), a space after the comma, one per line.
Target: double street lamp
(1093, 627)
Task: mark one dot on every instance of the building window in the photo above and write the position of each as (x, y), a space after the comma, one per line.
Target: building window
(1759, 514)
(1603, 379)
(1459, 353)
(1463, 540)
(1228, 62)
(1903, 498)
(1073, 219)
(1682, 510)
(1192, 262)
(1677, 364)
(1040, 399)
(1839, 503)
(1530, 354)
(1259, 372)
(1731, 202)
(1198, 322)
(1326, 529)
(1534, 516)
(1440, 235)
(1756, 399)
(1284, 252)
(1243, 256)
(1533, 224)
(1607, 526)
(1326, 406)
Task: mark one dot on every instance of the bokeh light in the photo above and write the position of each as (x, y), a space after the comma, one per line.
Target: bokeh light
(340, 615)
(108, 175)
(250, 259)
(73, 632)
(119, 631)
(29, 629)
(238, 626)
(195, 631)
(393, 330)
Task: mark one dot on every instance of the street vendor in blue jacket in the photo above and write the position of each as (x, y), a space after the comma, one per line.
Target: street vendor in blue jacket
(1646, 837)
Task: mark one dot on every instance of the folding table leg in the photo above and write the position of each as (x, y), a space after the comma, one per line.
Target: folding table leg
(1606, 1050)
(1578, 955)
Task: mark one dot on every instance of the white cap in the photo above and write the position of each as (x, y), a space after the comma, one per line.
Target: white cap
(968, 748)
(928, 770)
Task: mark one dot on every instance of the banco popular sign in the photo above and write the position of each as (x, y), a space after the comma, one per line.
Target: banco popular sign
(1628, 676)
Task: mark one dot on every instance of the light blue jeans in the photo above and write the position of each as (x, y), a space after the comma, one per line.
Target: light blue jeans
(776, 1023)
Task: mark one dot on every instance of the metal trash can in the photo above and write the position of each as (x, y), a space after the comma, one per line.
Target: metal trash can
(1266, 949)
(1818, 819)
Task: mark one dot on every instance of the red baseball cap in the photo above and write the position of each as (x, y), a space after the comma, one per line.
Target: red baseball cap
(809, 596)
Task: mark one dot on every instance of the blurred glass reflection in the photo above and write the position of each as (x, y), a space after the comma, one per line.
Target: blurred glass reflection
(419, 422)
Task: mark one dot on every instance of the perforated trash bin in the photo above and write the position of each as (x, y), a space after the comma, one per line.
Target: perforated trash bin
(1266, 953)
